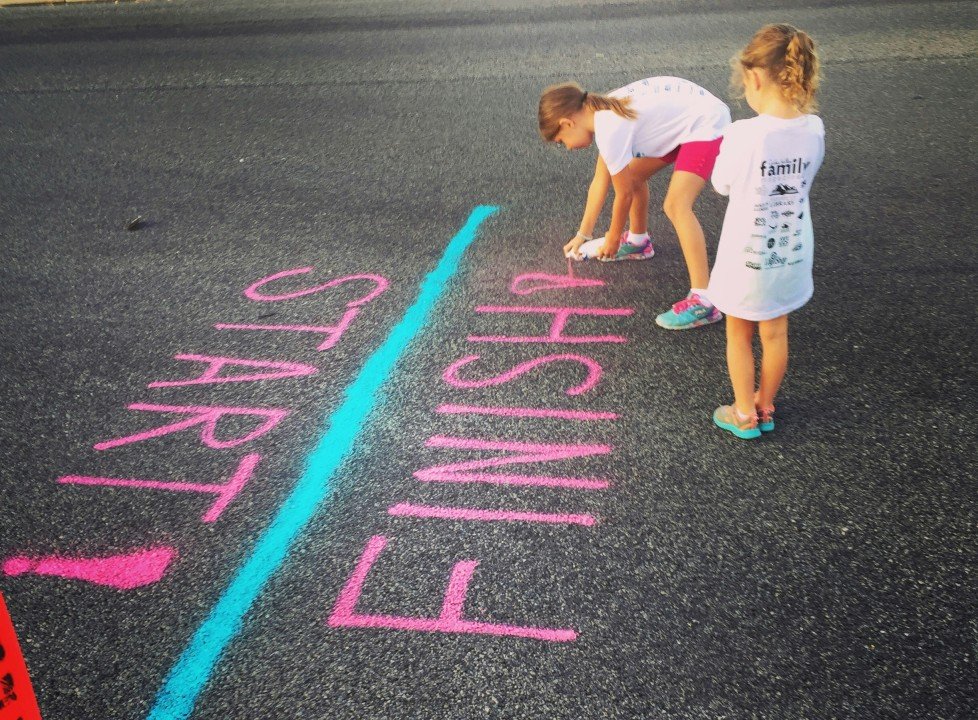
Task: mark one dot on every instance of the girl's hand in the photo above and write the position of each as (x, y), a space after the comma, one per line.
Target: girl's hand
(609, 249)
(570, 249)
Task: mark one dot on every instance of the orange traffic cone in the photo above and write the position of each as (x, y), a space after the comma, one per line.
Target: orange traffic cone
(17, 701)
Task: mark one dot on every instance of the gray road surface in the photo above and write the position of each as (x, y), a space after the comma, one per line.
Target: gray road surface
(827, 571)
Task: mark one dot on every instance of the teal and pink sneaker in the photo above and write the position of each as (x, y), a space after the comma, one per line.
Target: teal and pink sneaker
(626, 251)
(727, 417)
(765, 419)
(688, 313)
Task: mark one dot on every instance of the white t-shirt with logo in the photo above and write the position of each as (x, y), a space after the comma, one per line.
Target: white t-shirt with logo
(767, 166)
(671, 111)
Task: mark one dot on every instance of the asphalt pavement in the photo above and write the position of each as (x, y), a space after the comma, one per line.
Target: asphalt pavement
(639, 563)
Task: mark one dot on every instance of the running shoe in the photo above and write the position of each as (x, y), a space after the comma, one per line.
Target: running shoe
(626, 251)
(765, 419)
(726, 417)
(688, 313)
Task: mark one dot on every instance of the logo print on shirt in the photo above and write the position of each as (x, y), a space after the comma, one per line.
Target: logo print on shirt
(776, 260)
(759, 222)
(770, 243)
(784, 189)
(796, 248)
(752, 265)
(787, 213)
(781, 167)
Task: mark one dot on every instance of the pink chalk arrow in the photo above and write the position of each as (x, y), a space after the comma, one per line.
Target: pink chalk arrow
(123, 572)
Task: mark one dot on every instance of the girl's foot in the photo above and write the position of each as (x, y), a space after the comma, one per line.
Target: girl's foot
(688, 313)
(765, 416)
(730, 419)
(639, 250)
(626, 250)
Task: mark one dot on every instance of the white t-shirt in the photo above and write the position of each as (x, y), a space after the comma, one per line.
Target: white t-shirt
(671, 111)
(764, 260)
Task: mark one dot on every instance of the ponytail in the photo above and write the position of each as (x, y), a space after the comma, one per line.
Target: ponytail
(566, 99)
(789, 57)
(623, 108)
(799, 77)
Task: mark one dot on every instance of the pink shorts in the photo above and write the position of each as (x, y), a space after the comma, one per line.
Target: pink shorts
(697, 157)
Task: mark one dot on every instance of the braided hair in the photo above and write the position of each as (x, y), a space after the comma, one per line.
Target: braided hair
(789, 56)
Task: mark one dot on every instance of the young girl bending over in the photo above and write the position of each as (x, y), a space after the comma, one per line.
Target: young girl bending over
(639, 129)
(763, 268)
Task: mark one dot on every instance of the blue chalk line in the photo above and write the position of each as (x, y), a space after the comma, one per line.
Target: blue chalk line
(176, 699)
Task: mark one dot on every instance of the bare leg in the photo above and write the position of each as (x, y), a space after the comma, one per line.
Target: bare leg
(740, 362)
(684, 188)
(774, 358)
(638, 213)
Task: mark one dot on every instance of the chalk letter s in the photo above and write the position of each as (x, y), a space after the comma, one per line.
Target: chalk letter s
(252, 292)
(333, 333)
(594, 372)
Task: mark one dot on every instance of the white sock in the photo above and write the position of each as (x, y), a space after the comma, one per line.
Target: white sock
(634, 239)
(703, 298)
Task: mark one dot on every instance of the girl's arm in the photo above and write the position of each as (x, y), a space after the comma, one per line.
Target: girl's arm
(596, 195)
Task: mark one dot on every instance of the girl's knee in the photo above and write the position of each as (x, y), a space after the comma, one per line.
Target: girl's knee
(675, 206)
(773, 331)
(739, 330)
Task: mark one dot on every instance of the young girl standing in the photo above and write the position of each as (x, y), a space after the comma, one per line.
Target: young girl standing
(639, 129)
(763, 269)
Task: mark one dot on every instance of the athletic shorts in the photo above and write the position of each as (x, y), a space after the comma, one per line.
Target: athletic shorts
(696, 157)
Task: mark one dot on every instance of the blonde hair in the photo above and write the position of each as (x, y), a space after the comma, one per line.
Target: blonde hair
(562, 101)
(789, 57)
